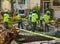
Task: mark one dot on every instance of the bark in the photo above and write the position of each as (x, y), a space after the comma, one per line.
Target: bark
(0, 4)
(12, 6)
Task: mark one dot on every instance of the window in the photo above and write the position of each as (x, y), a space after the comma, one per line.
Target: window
(22, 2)
(56, 2)
(14, 1)
(46, 6)
(21, 11)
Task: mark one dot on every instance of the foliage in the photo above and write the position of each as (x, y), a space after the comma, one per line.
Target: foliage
(36, 8)
(15, 0)
(57, 20)
(19, 0)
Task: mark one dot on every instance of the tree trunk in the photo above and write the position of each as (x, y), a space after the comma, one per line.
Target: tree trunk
(0, 4)
(12, 6)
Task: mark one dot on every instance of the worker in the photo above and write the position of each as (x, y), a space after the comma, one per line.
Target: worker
(41, 20)
(6, 20)
(34, 20)
(19, 21)
(47, 21)
(29, 17)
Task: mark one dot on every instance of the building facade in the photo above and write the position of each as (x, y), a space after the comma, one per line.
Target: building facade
(53, 4)
(5, 4)
(33, 3)
(24, 5)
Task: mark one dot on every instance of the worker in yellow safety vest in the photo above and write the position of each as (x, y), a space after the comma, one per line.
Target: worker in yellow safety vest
(46, 18)
(19, 21)
(34, 20)
(6, 20)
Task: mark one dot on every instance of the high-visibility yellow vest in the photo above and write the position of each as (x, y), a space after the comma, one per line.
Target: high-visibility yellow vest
(46, 18)
(6, 17)
(18, 17)
(34, 17)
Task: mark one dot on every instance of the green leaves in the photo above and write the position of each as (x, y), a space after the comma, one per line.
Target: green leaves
(35, 7)
(19, 0)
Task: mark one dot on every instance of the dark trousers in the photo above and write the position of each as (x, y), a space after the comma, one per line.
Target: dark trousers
(46, 28)
(33, 26)
(41, 23)
(6, 25)
(20, 24)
